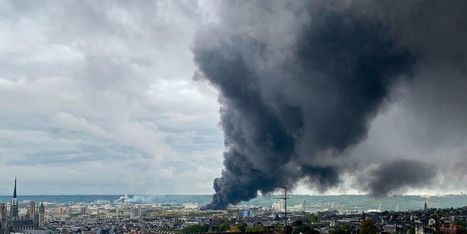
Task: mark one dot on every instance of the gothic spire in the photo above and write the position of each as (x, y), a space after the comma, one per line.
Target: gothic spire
(14, 192)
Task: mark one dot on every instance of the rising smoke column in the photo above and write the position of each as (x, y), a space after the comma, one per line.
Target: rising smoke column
(283, 118)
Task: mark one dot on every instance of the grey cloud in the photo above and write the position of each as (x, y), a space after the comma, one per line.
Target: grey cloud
(398, 175)
(121, 71)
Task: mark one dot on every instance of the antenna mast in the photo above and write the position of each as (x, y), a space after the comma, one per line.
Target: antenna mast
(285, 198)
(285, 209)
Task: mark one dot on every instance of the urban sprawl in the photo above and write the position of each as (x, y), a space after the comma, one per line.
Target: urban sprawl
(121, 216)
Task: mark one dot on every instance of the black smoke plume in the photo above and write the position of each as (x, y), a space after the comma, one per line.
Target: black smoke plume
(288, 110)
(398, 175)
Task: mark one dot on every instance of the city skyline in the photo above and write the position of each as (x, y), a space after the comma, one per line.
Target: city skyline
(127, 215)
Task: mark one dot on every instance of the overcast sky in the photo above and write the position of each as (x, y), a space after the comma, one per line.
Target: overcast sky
(101, 97)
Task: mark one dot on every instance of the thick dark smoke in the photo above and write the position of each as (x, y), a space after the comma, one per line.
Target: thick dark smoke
(398, 175)
(289, 110)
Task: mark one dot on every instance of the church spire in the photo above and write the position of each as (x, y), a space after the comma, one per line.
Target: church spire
(14, 205)
(14, 192)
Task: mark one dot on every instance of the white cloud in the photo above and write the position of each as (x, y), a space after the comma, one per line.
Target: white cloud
(67, 121)
(99, 98)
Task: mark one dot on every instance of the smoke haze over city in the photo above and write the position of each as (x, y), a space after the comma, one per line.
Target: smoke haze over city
(233, 98)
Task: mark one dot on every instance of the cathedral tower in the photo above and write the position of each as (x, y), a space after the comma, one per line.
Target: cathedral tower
(14, 205)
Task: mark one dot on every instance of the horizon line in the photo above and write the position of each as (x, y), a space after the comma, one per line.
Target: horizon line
(259, 195)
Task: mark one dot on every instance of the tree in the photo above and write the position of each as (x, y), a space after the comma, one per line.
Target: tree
(238, 228)
(234, 229)
(461, 226)
(312, 218)
(196, 228)
(368, 227)
(342, 229)
(224, 226)
(257, 228)
(242, 227)
(297, 227)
